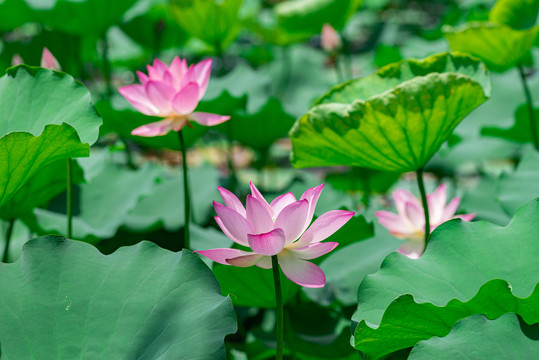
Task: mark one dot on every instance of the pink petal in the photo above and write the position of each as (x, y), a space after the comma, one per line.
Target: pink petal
(270, 243)
(16, 60)
(48, 61)
(265, 263)
(143, 78)
(413, 248)
(330, 39)
(301, 272)
(450, 209)
(312, 196)
(171, 80)
(258, 216)
(436, 202)
(160, 94)
(208, 119)
(178, 68)
(402, 197)
(186, 100)
(228, 234)
(465, 217)
(323, 227)
(292, 218)
(153, 129)
(221, 255)
(158, 70)
(136, 95)
(415, 215)
(280, 202)
(231, 201)
(393, 222)
(314, 250)
(258, 196)
(246, 260)
(199, 73)
(178, 123)
(236, 224)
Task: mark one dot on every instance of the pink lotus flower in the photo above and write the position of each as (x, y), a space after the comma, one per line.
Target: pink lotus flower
(48, 61)
(274, 229)
(172, 93)
(409, 222)
(330, 39)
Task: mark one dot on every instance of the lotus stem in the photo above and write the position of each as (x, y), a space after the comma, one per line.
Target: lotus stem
(69, 199)
(279, 312)
(232, 177)
(421, 185)
(187, 195)
(531, 111)
(9, 232)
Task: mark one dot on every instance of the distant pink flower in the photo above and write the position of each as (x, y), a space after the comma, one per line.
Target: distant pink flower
(48, 61)
(272, 229)
(409, 222)
(172, 93)
(330, 39)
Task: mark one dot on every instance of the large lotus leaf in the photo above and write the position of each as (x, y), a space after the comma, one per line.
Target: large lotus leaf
(392, 75)
(81, 17)
(103, 204)
(24, 155)
(467, 268)
(399, 130)
(520, 131)
(518, 14)
(163, 207)
(305, 18)
(477, 338)
(40, 189)
(216, 23)
(32, 98)
(64, 299)
(499, 46)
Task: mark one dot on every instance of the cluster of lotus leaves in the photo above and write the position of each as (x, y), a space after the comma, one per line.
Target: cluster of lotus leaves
(393, 120)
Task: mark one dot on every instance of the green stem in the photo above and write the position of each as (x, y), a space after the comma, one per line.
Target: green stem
(421, 185)
(69, 199)
(128, 154)
(187, 196)
(279, 312)
(232, 176)
(339, 70)
(531, 111)
(106, 66)
(9, 232)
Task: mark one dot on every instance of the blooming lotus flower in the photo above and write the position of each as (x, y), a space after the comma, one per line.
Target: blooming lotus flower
(409, 222)
(330, 39)
(280, 228)
(171, 92)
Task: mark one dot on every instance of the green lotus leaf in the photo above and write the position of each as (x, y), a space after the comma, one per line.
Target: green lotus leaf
(518, 14)
(499, 46)
(102, 204)
(398, 130)
(81, 17)
(395, 74)
(32, 98)
(520, 131)
(467, 268)
(40, 189)
(214, 22)
(477, 338)
(24, 155)
(64, 299)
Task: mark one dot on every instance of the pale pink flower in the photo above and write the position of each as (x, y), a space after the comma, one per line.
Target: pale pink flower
(280, 228)
(171, 92)
(409, 222)
(330, 39)
(48, 61)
